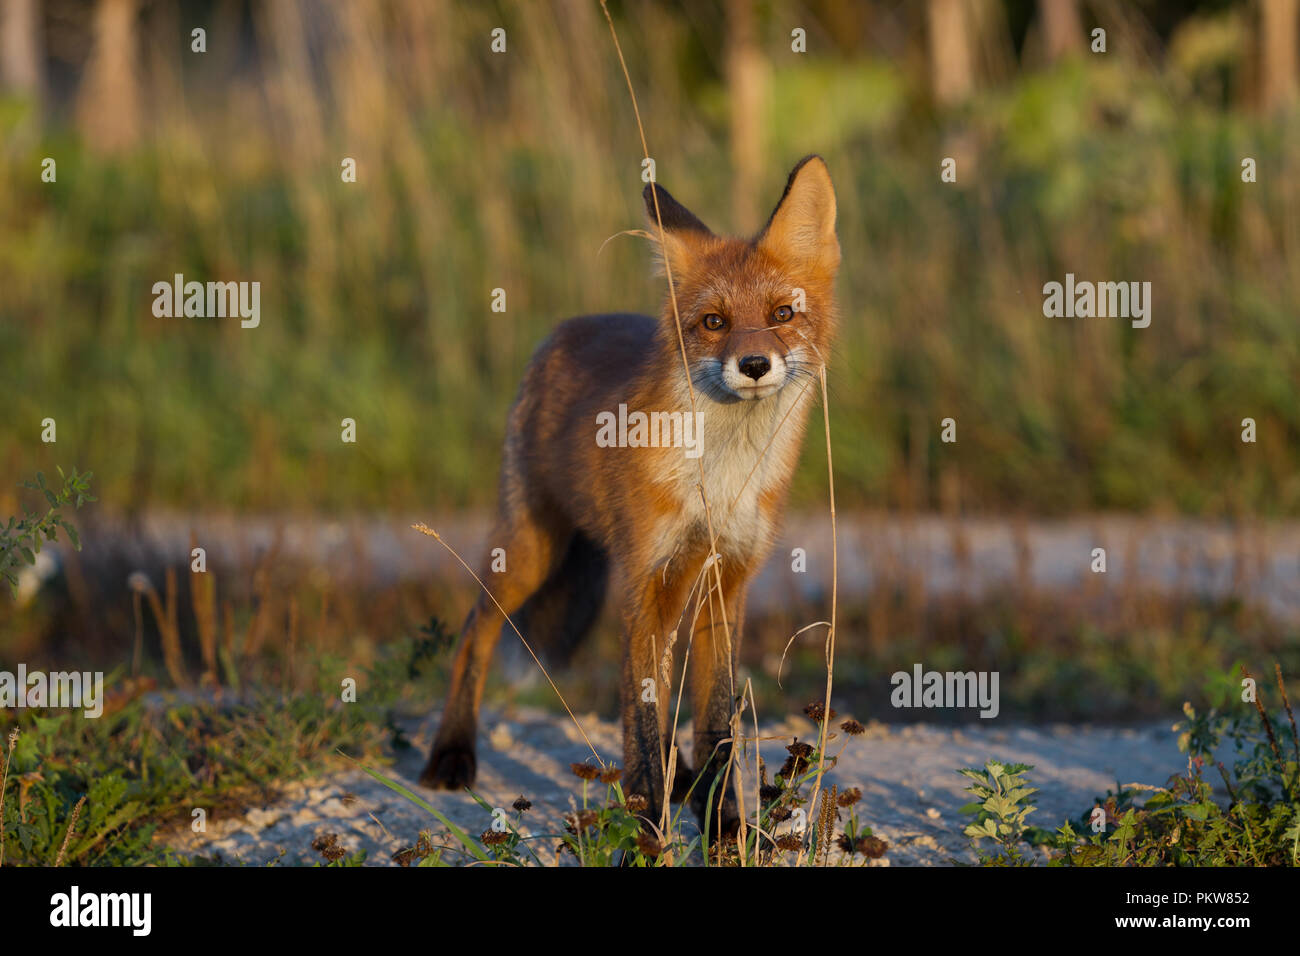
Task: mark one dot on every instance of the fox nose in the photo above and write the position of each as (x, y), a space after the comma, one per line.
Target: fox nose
(755, 366)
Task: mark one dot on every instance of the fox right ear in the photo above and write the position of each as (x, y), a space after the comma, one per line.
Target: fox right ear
(802, 225)
(682, 231)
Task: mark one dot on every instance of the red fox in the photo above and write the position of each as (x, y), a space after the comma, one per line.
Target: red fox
(582, 503)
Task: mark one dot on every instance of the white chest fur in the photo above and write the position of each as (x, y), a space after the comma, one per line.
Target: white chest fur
(748, 449)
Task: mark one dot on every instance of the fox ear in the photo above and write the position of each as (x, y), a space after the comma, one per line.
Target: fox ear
(683, 232)
(802, 226)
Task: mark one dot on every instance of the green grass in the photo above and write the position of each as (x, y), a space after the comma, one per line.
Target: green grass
(1253, 819)
(153, 760)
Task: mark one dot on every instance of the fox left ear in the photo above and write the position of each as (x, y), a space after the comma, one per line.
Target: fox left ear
(683, 233)
(802, 225)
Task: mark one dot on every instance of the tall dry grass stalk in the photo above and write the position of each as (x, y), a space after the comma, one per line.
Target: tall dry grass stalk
(713, 558)
(425, 529)
(203, 599)
(166, 619)
(4, 781)
(835, 581)
(1286, 705)
(72, 826)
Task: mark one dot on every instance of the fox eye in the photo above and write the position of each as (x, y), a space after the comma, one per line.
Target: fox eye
(783, 314)
(713, 322)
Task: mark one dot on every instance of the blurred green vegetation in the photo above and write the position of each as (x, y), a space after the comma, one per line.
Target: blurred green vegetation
(479, 172)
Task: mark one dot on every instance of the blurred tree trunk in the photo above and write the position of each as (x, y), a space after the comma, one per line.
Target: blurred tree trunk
(22, 56)
(952, 71)
(1278, 25)
(108, 103)
(1062, 28)
(746, 89)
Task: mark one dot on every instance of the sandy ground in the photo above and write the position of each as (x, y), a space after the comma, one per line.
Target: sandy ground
(906, 772)
(911, 792)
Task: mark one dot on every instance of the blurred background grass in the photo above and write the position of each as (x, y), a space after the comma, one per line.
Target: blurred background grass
(479, 171)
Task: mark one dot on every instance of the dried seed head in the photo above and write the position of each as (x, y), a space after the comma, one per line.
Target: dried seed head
(792, 768)
(522, 804)
(584, 771)
(789, 842)
(850, 797)
(494, 837)
(873, 848)
(666, 661)
(327, 845)
(139, 582)
(826, 819)
(648, 845)
(611, 774)
(852, 727)
(816, 711)
(636, 803)
(770, 793)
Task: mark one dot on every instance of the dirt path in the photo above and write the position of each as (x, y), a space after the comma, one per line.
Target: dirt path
(911, 792)
(1256, 562)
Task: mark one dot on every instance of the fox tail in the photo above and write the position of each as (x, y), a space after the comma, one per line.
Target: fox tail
(561, 612)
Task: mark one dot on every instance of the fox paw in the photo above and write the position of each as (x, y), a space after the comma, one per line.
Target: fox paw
(450, 768)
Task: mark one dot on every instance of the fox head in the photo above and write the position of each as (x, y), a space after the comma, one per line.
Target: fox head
(756, 314)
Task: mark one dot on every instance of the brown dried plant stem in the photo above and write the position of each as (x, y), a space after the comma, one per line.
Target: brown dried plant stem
(669, 765)
(4, 782)
(1286, 705)
(203, 600)
(72, 825)
(835, 579)
(166, 618)
(681, 343)
(1268, 724)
